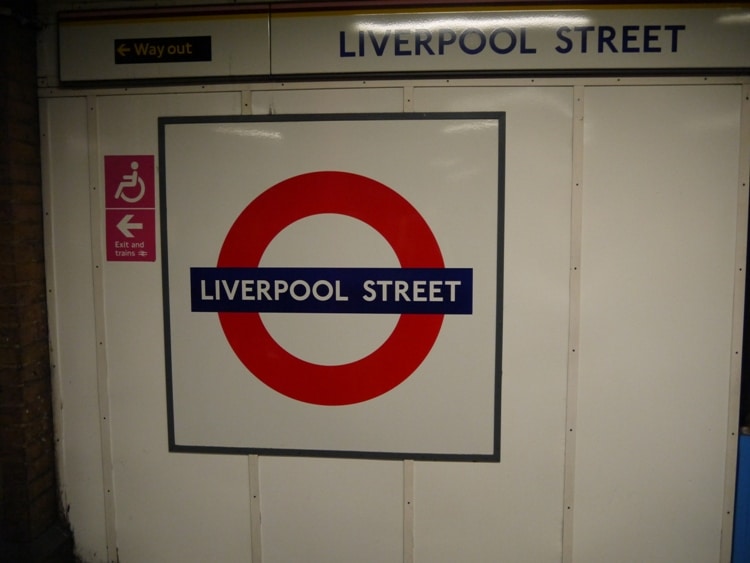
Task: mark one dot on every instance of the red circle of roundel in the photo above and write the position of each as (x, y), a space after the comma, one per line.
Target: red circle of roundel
(402, 227)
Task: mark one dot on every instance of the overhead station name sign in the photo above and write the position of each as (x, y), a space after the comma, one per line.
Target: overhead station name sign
(510, 40)
(359, 38)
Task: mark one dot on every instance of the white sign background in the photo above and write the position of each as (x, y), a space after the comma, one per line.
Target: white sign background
(449, 167)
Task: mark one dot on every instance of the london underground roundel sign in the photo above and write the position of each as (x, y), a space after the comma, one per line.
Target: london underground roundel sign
(332, 284)
(416, 248)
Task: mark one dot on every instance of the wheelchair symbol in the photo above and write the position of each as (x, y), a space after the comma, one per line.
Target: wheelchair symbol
(131, 181)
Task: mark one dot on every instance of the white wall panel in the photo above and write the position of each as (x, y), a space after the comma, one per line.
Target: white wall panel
(324, 510)
(659, 225)
(513, 511)
(659, 220)
(71, 315)
(169, 507)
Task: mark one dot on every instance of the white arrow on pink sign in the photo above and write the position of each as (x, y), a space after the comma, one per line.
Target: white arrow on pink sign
(125, 226)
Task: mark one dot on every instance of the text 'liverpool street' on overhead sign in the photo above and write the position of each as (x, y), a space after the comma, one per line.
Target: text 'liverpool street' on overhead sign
(163, 50)
(500, 40)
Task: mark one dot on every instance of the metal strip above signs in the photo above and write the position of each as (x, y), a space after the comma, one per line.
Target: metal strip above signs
(344, 39)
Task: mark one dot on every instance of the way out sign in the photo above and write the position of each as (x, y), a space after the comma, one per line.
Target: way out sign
(332, 284)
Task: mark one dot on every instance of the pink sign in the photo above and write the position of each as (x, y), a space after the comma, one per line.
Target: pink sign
(130, 203)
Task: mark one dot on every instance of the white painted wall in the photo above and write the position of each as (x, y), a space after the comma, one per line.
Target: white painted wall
(641, 425)
(659, 229)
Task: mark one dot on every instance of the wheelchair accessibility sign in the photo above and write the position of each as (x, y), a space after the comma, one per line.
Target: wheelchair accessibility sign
(332, 284)
(130, 203)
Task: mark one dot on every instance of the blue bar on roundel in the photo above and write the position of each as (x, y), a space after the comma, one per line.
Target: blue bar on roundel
(443, 291)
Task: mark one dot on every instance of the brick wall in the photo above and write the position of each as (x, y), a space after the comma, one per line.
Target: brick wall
(30, 527)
